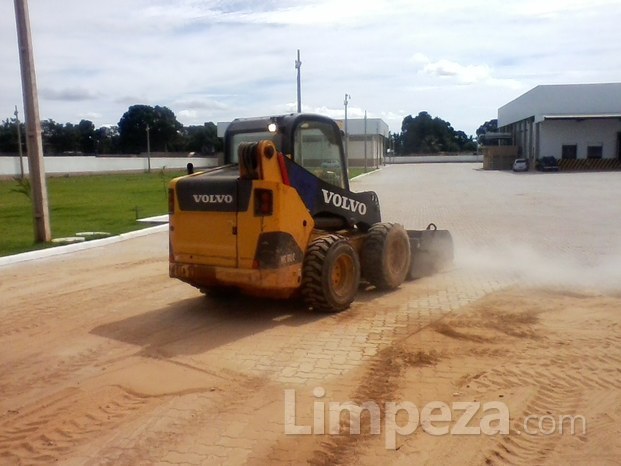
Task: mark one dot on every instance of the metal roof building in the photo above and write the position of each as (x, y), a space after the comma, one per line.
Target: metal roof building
(569, 122)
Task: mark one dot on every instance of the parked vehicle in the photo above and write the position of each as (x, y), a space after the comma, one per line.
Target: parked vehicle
(520, 165)
(331, 165)
(547, 164)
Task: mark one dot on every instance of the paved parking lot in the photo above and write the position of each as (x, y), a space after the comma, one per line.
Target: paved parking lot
(540, 225)
(112, 362)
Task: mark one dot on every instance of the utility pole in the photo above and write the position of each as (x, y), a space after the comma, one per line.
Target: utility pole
(34, 144)
(365, 141)
(148, 149)
(347, 99)
(19, 145)
(298, 65)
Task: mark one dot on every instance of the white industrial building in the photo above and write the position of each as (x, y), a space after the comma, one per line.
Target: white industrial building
(569, 122)
(367, 142)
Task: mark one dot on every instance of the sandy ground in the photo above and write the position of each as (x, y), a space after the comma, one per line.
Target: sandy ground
(546, 355)
(105, 360)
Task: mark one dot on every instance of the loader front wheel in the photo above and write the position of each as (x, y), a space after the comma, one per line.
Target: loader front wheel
(330, 274)
(385, 255)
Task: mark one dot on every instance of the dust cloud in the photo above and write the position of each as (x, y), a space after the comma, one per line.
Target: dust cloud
(534, 266)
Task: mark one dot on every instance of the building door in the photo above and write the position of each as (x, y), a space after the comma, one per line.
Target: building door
(569, 152)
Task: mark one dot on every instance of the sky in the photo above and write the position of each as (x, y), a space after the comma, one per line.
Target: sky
(215, 60)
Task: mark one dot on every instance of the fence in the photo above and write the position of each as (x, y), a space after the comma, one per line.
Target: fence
(589, 164)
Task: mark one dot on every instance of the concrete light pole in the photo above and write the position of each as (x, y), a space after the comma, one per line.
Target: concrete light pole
(365, 141)
(19, 145)
(148, 149)
(347, 99)
(34, 144)
(298, 65)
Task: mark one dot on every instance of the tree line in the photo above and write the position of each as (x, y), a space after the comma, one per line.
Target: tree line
(424, 134)
(129, 136)
(159, 125)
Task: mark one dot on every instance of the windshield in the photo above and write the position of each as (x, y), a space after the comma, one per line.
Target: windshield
(317, 149)
(238, 138)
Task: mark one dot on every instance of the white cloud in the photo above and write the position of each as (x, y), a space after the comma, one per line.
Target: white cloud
(420, 59)
(461, 74)
(187, 114)
(556, 8)
(69, 94)
(211, 60)
(467, 74)
(91, 115)
(319, 13)
(201, 104)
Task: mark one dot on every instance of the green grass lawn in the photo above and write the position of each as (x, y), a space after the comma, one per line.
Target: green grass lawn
(355, 171)
(109, 203)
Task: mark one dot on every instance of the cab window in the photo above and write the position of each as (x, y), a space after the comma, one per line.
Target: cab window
(317, 148)
(238, 138)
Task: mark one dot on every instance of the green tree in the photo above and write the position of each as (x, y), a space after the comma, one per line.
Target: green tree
(8, 136)
(163, 128)
(424, 134)
(58, 138)
(395, 141)
(202, 139)
(68, 138)
(465, 142)
(107, 140)
(86, 136)
(490, 126)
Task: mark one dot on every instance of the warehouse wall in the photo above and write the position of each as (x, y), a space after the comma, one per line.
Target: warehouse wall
(375, 150)
(583, 133)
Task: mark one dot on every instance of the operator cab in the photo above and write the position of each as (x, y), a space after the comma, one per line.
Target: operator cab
(311, 141)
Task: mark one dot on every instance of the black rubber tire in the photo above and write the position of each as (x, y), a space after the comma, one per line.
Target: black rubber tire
(330, 274)
(385, 256)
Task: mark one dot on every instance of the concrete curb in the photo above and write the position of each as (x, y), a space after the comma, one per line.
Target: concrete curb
(158, 219)
(58, 250)
(365, 174)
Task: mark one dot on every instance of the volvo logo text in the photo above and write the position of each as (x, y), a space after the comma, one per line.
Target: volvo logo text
(343, 202)
(213, 198)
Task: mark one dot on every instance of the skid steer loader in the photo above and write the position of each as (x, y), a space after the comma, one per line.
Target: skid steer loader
(279, 220)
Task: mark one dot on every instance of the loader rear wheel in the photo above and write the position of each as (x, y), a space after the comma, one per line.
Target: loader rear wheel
(385, 255)
(330, 274)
